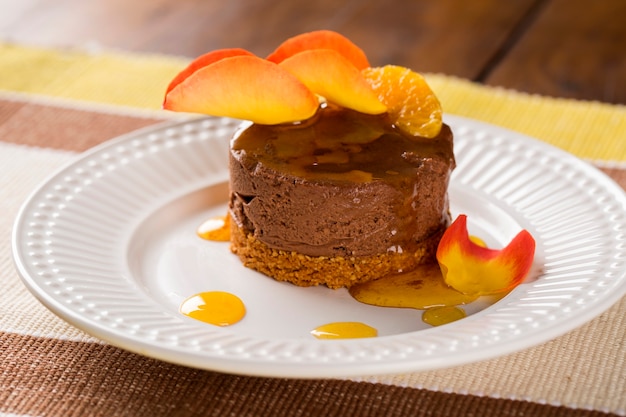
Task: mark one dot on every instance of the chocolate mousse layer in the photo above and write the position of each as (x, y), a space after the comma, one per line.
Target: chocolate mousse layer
(342, 184)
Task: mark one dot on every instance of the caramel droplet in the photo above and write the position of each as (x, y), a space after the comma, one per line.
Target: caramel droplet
(344, 330)
(214, 307)
(216, 228)
(437, 316)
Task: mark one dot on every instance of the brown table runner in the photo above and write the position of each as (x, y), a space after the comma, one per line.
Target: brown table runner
(54, 104)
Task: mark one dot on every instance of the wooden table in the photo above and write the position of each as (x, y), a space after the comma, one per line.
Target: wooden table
(562, 48)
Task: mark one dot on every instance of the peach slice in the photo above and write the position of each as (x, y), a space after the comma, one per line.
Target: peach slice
(321, 39)
(244, 87)
(203, 61)
(476, 270)
(329, 74)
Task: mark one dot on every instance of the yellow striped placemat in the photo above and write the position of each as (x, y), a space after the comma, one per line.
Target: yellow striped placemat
(589, 130)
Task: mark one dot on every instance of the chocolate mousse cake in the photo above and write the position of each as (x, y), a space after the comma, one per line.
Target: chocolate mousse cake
(340, 175)
(338, 199)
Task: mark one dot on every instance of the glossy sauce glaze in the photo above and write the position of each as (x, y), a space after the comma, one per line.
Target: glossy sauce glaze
(339, 144)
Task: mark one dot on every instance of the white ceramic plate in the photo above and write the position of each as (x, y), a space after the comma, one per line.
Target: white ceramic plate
(108, 243)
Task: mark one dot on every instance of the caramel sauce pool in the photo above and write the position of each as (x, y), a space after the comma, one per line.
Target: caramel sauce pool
(422, 288)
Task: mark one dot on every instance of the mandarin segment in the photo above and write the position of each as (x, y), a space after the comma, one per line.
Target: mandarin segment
(203, 61)
(411, 103)
(246, 88)
(473, 269)
(330, 75)
(321, 39)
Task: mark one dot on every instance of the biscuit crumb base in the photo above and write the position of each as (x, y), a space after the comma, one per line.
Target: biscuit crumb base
(334, 272)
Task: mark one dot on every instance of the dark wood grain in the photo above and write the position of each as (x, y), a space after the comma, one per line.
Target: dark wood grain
(565, 48)
(575, 49)
(452, 37)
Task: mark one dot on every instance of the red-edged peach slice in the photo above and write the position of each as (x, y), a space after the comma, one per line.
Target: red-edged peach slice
(321, 39)
(246, 88)
(329, 74)
(203, 61)
(475, 270)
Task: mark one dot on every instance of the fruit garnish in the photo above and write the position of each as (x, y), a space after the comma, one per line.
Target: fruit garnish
(321, 39)
(203, 61)
(411, 103)
(478, 241)
(244, 87)
(476, 270)
(328, 74)
(285, 87)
